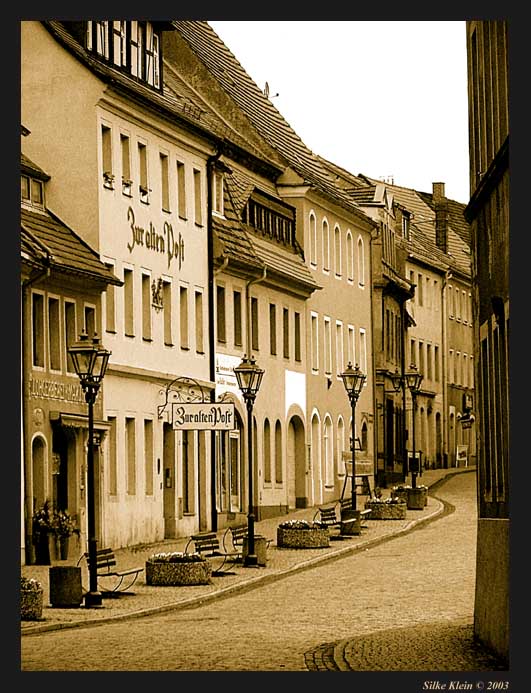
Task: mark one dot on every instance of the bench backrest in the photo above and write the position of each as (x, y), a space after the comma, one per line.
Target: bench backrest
(238, 535)
(105, 559)
(328, 516)
(206, 543)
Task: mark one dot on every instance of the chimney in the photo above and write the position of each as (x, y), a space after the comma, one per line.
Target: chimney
(441, 216)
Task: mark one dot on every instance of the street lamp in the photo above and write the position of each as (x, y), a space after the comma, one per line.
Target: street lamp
(413, 380)
(353, 380)
(249, 376)
(90, 361)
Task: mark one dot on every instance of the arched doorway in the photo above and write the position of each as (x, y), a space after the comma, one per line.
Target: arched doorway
(39, 484)
(296, 464)
(438, 440)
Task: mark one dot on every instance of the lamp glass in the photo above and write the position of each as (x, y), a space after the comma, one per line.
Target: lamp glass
(90, 358)
(413, 379)
(353, 380)
(249, 376)
(396, 379)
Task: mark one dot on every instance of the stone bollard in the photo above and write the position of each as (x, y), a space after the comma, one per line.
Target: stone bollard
(65, 586)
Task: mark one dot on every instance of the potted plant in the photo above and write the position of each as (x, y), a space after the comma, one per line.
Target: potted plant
(42, 528)
(392, 508)
(64, 526)
(178, 568)
(416, 497)
(302, 534)
(31, 598)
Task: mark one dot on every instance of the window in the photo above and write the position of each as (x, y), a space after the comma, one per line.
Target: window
(146, 307)
(119, 43)
(125, 148)
(267, 452)
(128, 303)
(199, 346)
(450, 301)
(451, 372)
(167, 301)
(106, 157)
(436, 364)
(181, 191)
(254, 324)
(217, 193)
(110, 308)
(278, 453)
(148, 456)
(130, 455)
(457, 368)
(350, 257)
(137, 49)
(464, 307)
(198, 198)
(237, 303)
(143, 172)
(183, 305)
(361, 263)
(464, 371)
(327, 346)
(54, 334)
(412, 281)
(429, 373)
(165, 182)
(285, 331)
(420, 287)
(363, 352)
(340, 366)
(70, 333)
(422, 366)
(413, 353)
(188, 477)
(32, 191)
(314, 328)
(405, 224)
(102, 38)
(337, 251)
(328, 442)
(38, 329)
(313, 240)
(220, 314)
(427, 292)
(297, 326)
(113, 457)
(326, 246)
(351, 345)
(457, 307)
(152, 57)
(272, 329)
(90, 321)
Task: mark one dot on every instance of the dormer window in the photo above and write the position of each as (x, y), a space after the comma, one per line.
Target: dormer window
(405, 225)
(32, 191)
(217, 193)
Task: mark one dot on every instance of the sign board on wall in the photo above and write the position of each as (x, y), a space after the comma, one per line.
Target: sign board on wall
(461, 456)
(203, 416)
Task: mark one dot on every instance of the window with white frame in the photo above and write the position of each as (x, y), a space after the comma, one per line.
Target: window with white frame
(361, 262)
(340, 366)
(146, 307)
(119, 43)
(198, 198)
(351, 345)
(37, 329)
(106, 157)
(363, 351)
(32, 191)
(337, 252)
(164, 181)
(350, 257)
(183, 313)
(313, 239)
(54, 333)
(181, 190)
(327, 346)
(314, 329)
(125, 148)
(143, 186)
(217, 193)
(70, 332)
(168, 317)
(326, 246)
(328, 441)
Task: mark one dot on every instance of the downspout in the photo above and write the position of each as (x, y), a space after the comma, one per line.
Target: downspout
(26, 365)
(373, 236)
(211, 337)
(249, 349)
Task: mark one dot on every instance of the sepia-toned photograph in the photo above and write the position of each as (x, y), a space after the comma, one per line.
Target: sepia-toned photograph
(264, 304)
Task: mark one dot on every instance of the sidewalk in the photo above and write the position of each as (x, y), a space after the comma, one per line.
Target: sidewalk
(280, 562)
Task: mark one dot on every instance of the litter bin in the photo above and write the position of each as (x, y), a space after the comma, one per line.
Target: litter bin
(260, 549)
(350, 522)
(66, 591)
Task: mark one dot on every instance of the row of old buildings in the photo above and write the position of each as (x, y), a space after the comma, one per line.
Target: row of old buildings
(168, 208)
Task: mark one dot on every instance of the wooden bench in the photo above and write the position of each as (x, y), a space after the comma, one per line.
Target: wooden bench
(207, 544)
(346, 504)
(233, 539)
(107, 571)
(328, 516)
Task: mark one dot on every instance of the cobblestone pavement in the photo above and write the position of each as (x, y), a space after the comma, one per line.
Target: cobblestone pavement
(397, 605)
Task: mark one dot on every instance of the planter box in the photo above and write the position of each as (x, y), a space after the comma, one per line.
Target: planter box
(417, 498)
(400, 493)
(387, 511)
(189, 573)
(311, 538)
(31, 605)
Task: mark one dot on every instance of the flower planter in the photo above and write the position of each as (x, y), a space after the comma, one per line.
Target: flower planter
(178, 573)
(387, 511)
(307, 538)
(31, 605)
(400, 493)
(417, 498)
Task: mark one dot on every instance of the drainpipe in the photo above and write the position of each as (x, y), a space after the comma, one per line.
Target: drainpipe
(211, 337)
(447, 275)
(26, 365)
(249, 349)
(373, 236)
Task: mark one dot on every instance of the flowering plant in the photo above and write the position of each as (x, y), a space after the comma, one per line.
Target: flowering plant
(301, 524)
(392, 500)
(407, 487)
(176, 557)
(43, 518)
(64, 524)
(29, 584)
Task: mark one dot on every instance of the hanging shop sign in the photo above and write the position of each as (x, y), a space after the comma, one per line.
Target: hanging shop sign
(203, 416)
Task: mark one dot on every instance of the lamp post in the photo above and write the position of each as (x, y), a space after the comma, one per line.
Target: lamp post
(90, 361)
(353, 380)
(398, 383)
(413, 380)
(249, 376)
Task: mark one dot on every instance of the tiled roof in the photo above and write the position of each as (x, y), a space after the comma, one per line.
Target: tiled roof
(27, 166)
(31, 250)
(456, 216)
(283, 262)
(267, 120)
(67, 251)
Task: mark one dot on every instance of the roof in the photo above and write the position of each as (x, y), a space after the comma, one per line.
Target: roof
(27, 166)
(45, 235)
(260, 111)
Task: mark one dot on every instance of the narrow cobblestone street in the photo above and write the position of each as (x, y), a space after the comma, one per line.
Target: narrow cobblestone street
(405, 604)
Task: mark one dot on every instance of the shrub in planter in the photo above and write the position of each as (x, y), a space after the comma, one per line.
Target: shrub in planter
(416, 498)
(302, 534)
(388, 509)
(31, 599)
(178, 568)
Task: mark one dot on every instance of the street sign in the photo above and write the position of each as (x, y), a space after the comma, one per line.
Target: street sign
(203, 416)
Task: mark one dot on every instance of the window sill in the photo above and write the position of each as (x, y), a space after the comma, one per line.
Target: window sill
(147, 339)
(198, 224)
(185, 348)
(166, 211)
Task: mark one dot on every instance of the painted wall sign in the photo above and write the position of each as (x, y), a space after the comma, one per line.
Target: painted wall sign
(203, 416)
(165, 242)
(42, 388)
